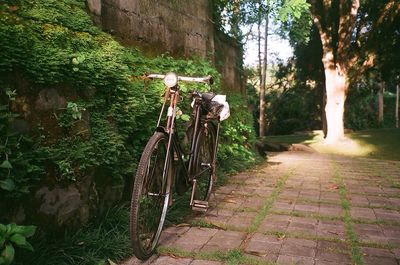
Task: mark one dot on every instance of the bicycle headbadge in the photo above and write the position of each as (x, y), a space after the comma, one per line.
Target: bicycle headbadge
(170, 80)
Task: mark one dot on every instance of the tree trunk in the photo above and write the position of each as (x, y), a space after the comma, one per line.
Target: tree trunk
(335, 83)
(397, 105)
(323, 114)
(335, 21)
(263, 81)
(261, 99)
(380, 102)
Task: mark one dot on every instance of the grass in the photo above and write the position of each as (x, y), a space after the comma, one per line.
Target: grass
(106, 239)
(263, 212)
(352, 240)
(374, 143)
(231, 257)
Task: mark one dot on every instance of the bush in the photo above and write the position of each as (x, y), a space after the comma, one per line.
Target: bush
(108, 115)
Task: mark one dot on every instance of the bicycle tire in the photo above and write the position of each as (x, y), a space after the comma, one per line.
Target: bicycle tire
(203, 158)
(150, 196)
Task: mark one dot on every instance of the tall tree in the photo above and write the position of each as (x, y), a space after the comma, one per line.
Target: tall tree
(335, 21)
(263, 64)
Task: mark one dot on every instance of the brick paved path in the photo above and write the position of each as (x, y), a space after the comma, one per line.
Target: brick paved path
(299, 208)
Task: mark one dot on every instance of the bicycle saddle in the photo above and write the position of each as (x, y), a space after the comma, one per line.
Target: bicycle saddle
(207, 96)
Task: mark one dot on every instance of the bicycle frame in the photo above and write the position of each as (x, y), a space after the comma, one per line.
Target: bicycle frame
(172, 95)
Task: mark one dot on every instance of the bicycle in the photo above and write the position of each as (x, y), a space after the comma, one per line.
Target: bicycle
(163, 163)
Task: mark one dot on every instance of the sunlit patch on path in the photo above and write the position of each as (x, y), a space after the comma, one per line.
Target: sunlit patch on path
(297, 208)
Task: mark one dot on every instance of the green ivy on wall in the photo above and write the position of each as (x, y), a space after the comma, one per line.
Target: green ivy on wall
(108, 114)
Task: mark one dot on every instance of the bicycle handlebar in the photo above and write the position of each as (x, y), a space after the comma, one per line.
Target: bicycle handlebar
(206, 79)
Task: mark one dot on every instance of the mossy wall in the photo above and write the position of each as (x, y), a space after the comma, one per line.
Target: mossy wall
(74, 114)
(181, 28)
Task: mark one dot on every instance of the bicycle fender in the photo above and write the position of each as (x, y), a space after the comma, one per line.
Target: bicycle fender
(161, 129)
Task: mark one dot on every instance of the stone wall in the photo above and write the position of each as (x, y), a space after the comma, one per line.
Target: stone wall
(56, 204)
(179, 27)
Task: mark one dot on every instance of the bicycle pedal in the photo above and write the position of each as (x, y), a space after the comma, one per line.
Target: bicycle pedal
(200, 206)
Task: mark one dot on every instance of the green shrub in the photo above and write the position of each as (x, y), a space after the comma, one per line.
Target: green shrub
(13, 236)
(109, 115)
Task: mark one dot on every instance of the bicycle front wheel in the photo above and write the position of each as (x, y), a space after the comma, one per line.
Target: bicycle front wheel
(150, 196)
(204, 162)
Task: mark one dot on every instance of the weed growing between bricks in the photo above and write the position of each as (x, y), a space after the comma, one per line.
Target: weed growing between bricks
(232, 257)
(269, 202)
(356, 254)
(308, 215)
(299, 235)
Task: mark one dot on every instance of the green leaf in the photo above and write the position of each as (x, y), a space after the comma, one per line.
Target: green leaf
(27, 246)
(26, 230)
(111, 262)
(101, 262)
(3, 229)
(18, 239)
(7, 184)
(6, 164)
(2, 260)
(8, 254)
(185, 117)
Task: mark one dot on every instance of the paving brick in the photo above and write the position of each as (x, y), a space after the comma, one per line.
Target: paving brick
(331, 246)
(325, 262)
(380, 261)
(262, 245)
(195, 238)
(227, 189)
(298, 247)
(373, 190)
(332, 252)
(303, 225)
(225, 240)
(171, 234)
(358, 199)
(391, 191)
(135, 261)
(364, 213)
(389, 215)
(376, 252)
(330, 210)
(263, 191)
(254, 202)
(205, 262)
(330, 196)
(242, 220)
(339, 258)
(269, 258)
(309, 208)
(283, 206)
(274, 223)
(370, 232)
(378, 201)
(335, 229)
(394, 201)
(392, 233)
(289, 193)
(397, 253)
(172, 261)
(243, 190)
(298, 260)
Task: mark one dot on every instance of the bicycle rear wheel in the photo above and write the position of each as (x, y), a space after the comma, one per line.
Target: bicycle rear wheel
(204, 164)
(150, 196)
